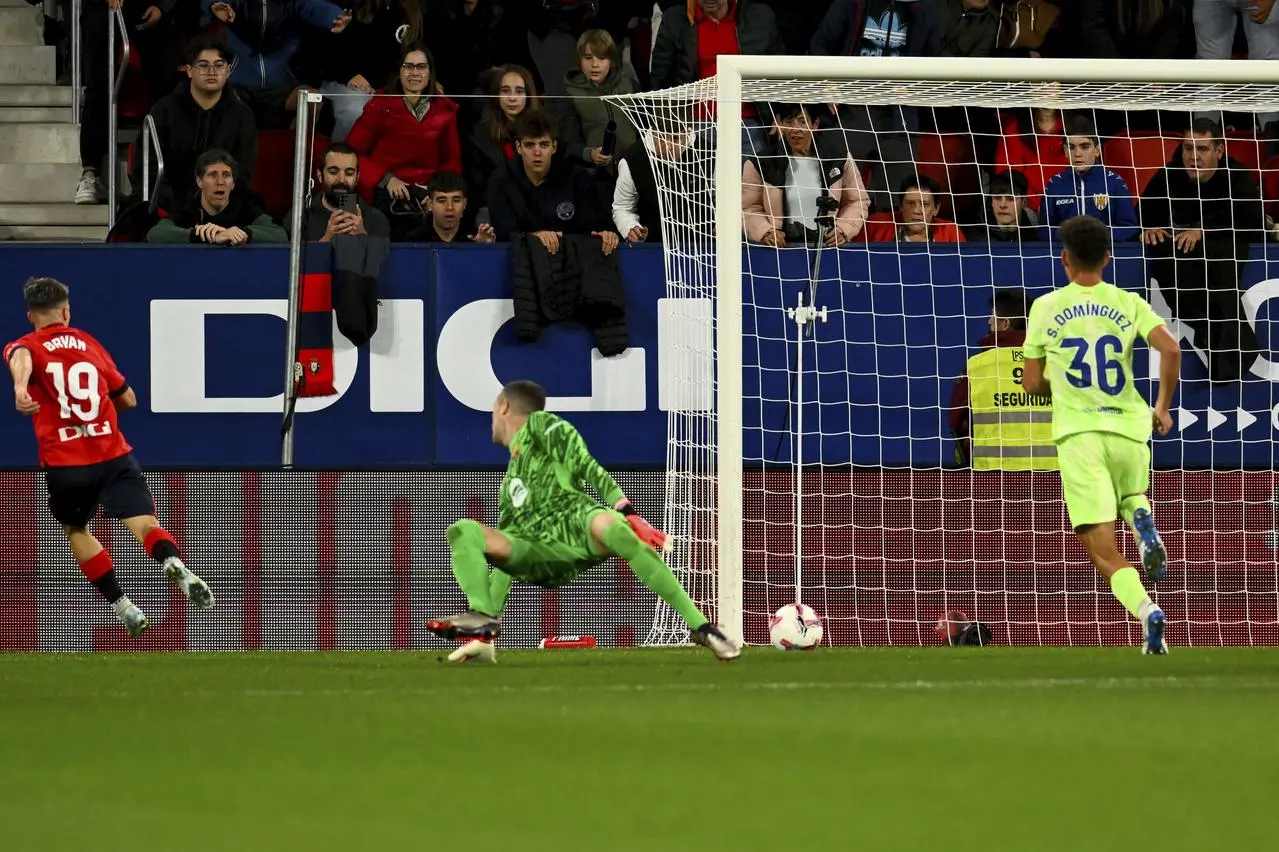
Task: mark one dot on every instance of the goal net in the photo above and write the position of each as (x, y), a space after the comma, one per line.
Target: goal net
(844, 237)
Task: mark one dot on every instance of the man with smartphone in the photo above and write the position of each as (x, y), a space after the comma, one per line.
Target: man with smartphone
(336, 208)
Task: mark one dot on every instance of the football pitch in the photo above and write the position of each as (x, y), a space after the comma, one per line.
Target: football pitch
(865, 749)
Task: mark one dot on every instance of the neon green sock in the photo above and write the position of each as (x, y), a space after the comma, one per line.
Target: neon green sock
(1131, 504)
(499, 590)
(466, 543)
(1128, 590)
(620, 539)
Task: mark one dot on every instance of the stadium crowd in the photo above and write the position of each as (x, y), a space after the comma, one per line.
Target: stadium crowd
(500, 128)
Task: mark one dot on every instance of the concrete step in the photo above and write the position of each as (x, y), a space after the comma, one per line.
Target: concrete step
(36, 115)
(53, 214)
(39, 183)
(21, 25)
(54, 233)
(33, 96)
(39, 143)
(28, 65)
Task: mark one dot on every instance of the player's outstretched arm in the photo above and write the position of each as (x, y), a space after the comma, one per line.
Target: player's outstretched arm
(1162, 341)
(1033, 377)
(20, 368)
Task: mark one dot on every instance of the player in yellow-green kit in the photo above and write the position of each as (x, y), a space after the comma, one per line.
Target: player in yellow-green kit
(550, 531)
(1085, 332)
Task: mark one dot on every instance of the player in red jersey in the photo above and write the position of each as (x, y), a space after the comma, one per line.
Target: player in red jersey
(68, 384)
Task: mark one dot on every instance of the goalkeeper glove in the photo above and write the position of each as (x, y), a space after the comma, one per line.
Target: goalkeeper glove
(645, 531)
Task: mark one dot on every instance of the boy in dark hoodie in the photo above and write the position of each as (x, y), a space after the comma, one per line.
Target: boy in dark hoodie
(1087, 188)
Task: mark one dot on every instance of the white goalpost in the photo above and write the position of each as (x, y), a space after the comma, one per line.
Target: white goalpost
(821, 468)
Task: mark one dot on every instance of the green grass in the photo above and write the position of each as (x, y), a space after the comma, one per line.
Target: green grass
(1017, 749)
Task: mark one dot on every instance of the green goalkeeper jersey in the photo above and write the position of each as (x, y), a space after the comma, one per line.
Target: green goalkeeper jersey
(1087, 336)
(544, 480)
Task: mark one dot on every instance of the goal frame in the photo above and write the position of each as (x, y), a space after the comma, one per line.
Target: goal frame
(732, 72)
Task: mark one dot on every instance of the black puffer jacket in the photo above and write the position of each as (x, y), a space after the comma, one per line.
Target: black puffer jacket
(576, 283)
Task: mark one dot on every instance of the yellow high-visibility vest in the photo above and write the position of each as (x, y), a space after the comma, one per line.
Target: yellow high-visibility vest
(1011, 429)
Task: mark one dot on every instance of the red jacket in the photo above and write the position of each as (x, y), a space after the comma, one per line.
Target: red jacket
(961, 403)
(391, 140)
(882, 228)
(1038, 161)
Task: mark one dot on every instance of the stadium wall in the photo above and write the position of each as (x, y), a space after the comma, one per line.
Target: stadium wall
(200, 332)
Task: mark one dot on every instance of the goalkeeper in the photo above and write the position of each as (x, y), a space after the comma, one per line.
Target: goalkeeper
(550, 531)
(1101, 425)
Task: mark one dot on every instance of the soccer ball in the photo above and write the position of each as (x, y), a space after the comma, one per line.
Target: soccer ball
(795, 627)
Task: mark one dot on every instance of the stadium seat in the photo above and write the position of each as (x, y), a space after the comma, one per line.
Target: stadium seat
(1245, 148)
(273, 175)
(1270, 184)
(1137, 158)
(948, 159)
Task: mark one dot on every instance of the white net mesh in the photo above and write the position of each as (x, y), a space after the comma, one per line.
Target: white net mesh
(859, 493)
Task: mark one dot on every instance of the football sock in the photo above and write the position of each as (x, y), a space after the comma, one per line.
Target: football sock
(499, 590)
(620, 539)
(466, 543)
(1131, 504)
(99, 571)
(1128, 590)
(160, 545)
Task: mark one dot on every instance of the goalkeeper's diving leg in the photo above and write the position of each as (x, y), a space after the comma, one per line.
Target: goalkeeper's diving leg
(546, 564)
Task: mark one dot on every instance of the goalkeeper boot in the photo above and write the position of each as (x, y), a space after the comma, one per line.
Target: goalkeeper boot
(1154, 640)
(710, 636)
(134, 620)
(196, 590)
(469, 625)
(480, 650)
(1154, 557)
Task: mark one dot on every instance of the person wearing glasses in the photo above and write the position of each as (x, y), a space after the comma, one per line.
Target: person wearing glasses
(201, 114)
(404, 137)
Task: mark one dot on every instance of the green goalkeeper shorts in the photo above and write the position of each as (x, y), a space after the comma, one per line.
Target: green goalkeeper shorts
(557, 553)
(1098, 471)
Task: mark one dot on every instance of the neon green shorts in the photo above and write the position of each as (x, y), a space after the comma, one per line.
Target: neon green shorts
(554, 557)
(1099, 470)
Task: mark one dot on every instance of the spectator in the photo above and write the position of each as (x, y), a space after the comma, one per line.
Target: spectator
(1215, 23)
(200, 115)
(996, 424)
(585, 116)
(511, 93)
(445, 206)
(783, 186)
(462, 36)
(363, 57)
(406, 139)
(264, 36)
(688, 45)
(917, 220)
(326, 216)
(153, 35)
(217, 212)
(1136, 29)
(1007, 218)
(636, 211)
(1087, 188)
(880, 135)
(1198, 216)
(541, 194)
(968, 27)
(1032, 144)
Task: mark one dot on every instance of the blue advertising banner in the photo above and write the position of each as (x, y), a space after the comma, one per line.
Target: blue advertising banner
(200, 334)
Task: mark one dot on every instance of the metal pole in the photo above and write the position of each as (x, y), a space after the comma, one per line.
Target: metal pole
(146, 163)
(76, 35)
(296, 245)
(801, 315)
(114, 20)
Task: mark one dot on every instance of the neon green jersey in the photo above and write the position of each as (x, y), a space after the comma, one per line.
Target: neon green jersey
(1087, 336)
